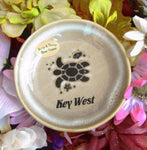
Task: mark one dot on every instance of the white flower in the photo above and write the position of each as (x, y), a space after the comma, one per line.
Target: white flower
(24, 139)
(139, 36)
(143, 6)
(143, 2)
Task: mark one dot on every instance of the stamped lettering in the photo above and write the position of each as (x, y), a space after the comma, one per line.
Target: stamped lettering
(78, 101)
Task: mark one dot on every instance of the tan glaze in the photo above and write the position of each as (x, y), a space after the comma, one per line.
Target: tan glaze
(82, 85)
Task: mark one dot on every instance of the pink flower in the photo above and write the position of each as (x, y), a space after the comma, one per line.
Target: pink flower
(125, 136)
(128, 136)
(22, 118)
(135, 108)
(4, 48)
(138, 76)
(9, 101)
(133, 105)
(8, 97)
(139, 73)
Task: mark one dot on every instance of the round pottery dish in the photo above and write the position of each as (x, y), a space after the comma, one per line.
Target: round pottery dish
(71, 75)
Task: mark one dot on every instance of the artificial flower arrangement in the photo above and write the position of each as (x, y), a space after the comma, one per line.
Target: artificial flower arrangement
(126, 19)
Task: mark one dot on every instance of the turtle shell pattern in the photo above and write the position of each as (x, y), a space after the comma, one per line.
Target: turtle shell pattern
(72, 71)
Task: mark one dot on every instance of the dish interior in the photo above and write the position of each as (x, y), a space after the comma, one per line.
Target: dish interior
(79, 87)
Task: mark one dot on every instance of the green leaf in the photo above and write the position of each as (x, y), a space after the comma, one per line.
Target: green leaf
(98, 17)
(16, 9)
(13, 30)
(112, 18)
(30, 13)
(102, 6)
(124, 25)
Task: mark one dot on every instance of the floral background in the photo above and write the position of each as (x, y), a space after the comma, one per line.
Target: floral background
(126, 19)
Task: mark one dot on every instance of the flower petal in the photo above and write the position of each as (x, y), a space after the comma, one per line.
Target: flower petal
(143, 2)
(123, 113)
(13, 30)
(141, 68)
(8, 74)
(136, 79)
(83, 146)
(115, 142)
(143, 82)
(137, 48)
(8, 84)
(139, 140)
(12, 60)
(27, 123)
(134, 36)
(102, 143)
(134, 129)
(9, 137)
(20, 118)
(26, 135)
(140, 23)
(4, 48)
(18, 113)
(4, 124)
(142, 62)
(24, 138)
(137, 113)
(8, 104)
(41, 137)
(58, 141)
(54, 3)
(67, 137)
(128, 92)
(131, 145)
(93, 144)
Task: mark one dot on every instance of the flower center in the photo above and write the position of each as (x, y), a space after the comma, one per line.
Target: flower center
(140, 93)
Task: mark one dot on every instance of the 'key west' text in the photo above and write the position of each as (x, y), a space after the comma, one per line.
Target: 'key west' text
(78, 101)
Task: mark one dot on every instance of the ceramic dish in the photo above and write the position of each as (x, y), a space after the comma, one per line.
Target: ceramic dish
(71, 75)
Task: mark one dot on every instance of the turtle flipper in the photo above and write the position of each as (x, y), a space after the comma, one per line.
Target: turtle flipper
(84, 79)
(58, 82)
(59, 62)
(85, 64)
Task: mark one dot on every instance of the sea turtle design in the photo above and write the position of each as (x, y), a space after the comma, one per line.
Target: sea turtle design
(72, 71)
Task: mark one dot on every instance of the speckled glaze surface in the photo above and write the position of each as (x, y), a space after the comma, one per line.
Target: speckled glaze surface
(78, 81)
